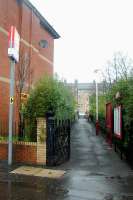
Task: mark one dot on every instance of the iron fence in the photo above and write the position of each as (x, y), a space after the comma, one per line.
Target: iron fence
(26, 132)
(58, 141)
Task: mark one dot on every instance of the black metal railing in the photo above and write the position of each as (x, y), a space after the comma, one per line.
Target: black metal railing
(58, 141)
(27, 132)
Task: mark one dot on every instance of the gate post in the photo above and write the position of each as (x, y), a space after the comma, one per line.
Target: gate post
(109, 123)
(50, 154)
(41, 141)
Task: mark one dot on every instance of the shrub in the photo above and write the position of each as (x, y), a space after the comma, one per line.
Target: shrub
(49, 94)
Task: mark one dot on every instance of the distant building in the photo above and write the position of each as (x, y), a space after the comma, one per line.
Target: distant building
(82, 92)
(74, 89)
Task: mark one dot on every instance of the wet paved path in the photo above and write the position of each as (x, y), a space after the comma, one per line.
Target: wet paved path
(95, 172)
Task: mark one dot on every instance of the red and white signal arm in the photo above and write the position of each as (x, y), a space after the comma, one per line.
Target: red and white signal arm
(13, 44)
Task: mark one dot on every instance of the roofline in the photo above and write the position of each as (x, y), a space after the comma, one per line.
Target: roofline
(44, 23)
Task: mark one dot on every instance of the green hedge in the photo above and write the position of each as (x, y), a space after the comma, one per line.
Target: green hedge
(50, 94)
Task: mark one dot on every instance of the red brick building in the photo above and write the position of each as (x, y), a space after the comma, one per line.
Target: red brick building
(33, 29)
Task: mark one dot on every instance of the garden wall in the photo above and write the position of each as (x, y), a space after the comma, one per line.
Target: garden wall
(22, 152)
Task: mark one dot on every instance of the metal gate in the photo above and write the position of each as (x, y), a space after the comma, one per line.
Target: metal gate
(58, 141)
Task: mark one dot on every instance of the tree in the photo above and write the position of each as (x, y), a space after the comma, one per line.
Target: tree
(120, 67)
(23, 84)
(117, 77)
(120, 79)
(49, 94)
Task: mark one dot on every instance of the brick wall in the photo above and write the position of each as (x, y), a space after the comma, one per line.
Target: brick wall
(31, 32)
(41, 143)
(3, 151)
(26, 153)
(22, 152)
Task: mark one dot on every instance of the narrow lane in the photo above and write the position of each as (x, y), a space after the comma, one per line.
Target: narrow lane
(95, 170)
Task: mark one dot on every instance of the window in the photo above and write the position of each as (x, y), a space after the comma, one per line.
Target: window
(43, 43)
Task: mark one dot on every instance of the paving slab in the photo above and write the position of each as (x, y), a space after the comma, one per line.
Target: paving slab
(38, 172)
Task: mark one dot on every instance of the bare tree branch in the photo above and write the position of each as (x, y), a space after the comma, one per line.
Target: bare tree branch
(23, 82)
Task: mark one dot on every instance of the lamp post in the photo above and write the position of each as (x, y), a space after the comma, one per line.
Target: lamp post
(96, 101)
(97, 120)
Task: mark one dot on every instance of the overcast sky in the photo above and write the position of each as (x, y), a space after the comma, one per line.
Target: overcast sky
(91, 31)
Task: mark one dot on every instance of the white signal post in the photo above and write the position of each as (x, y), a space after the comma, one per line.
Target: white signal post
(13, 53)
